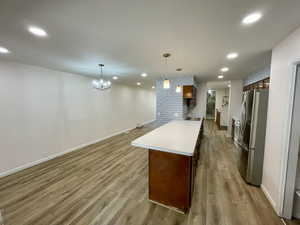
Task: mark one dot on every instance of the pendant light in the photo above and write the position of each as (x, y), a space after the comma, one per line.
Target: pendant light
(178, 87)
(166, 82)
(101, 84)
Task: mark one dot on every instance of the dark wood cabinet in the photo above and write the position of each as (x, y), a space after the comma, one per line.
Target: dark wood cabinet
(172, 177)
(189, 92)
(262, 84)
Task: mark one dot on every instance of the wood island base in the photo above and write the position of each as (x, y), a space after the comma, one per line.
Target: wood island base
(171, 179)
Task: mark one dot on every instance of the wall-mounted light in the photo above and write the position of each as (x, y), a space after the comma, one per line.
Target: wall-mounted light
(178, 89)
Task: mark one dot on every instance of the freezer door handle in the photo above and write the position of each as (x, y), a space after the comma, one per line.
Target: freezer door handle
(254, 120)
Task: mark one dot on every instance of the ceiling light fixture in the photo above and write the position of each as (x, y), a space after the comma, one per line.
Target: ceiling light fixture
(153, 87)
(252, 18)
(166, 82)
(232, 55)
(37, 31)
(144, 74)
(115, 78)
(225, 69)
(178, 89)
(220, 76)
(101, 84)
(138, 84)
(229, 85)
(4, 50)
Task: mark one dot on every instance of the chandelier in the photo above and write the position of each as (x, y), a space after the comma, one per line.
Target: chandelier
(101, 84)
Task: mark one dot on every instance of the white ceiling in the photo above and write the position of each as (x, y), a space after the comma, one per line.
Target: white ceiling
(214, 85)
(129, 36)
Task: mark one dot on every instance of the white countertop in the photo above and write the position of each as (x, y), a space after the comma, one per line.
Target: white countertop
(178, 136)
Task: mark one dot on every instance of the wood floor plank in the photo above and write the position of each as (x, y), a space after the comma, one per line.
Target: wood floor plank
(107, 183)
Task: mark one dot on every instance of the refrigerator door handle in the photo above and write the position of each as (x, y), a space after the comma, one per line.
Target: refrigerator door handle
(254, 120)
(250, 164)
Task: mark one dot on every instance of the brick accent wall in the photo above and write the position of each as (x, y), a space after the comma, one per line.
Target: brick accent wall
(169, 104)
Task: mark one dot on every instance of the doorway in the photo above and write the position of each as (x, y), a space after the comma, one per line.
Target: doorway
(291, 202)
(211, 104)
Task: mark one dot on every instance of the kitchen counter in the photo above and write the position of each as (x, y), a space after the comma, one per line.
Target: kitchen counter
(173, 152)
(179, 137)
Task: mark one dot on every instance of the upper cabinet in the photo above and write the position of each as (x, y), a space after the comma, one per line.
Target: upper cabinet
(262, 84)
(189, 92)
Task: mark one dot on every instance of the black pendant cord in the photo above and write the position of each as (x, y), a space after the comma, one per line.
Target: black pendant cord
(166, 56)
(101, 67)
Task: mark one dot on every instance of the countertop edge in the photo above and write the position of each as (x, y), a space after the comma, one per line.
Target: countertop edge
(161, 149)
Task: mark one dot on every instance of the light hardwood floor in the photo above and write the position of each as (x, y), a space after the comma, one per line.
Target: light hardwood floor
(106, 183)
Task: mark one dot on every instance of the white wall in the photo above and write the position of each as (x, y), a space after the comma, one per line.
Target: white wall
(283, 55)
(220, 93)
(200, 108)
(235, 102)
(45, 112)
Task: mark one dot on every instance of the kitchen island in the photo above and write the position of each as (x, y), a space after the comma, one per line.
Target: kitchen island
(173, 154)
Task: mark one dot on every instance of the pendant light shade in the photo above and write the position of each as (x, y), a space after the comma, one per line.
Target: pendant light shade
(166, 84)
(178, 89)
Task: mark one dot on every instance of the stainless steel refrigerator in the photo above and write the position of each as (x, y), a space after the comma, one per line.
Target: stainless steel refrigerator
(252, 135)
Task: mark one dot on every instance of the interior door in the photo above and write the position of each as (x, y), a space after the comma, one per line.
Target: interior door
(293, 152)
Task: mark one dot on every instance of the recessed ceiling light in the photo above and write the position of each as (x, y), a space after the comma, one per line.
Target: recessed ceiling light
(220, 76)
(37, 31)
(252, 18)
(115, 78)
(4, 50)
(153, 87)
(225, 69)
(232, 55)
(138, 83)
(144, 75)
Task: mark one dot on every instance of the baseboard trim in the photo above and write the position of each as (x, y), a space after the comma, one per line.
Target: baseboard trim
(31, 164)
(268, 196)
